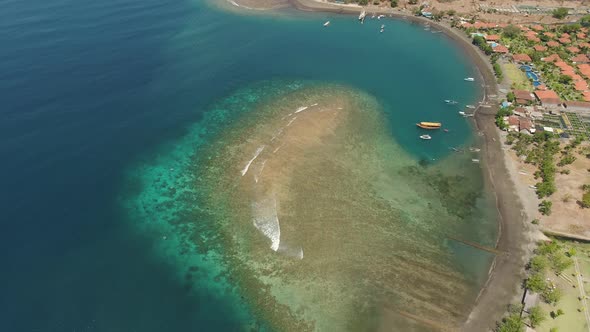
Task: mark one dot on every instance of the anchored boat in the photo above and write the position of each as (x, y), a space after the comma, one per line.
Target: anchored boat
(469, 79)
(427, 137)
(327, 23)
(429, 125)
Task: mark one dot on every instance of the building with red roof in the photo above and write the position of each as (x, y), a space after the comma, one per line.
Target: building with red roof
(584, 69)
(513, 123)
(586, 95)
(500, 49)
(565, 35)
(584, 45)
(552, 58)
(580, 58)
(540, 48)
(548, 97)
(526, 125)
(581, 35)
(537, 27)
(521, 58)
(492, 37)
(552, 43)
(581, 86)
(549, 34)
(523, 97)
(564, 41)
(573, 49)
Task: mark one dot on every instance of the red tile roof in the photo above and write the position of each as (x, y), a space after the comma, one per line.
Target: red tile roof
(564, 41)
(547, 96)
(552, 43)
(513, 120)
(573, 49)
(581, 35)
(521, 58)
(565, 35)
(492, 37)
(586, 95)
(552, 58)
(500, 49)
(523, 95)
(580, 58)
(581, 86)
(549, 34)
(584, 44)
(584, 69)
(525, 124)
(540, 48)
(537, 27)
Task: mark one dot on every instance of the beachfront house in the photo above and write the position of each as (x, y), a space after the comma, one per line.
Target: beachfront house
(523, 97)
(526, 126)
(548, 98)
(513, 123)
(582, 107)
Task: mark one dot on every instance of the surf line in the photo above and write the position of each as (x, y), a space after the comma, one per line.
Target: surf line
(258, 151)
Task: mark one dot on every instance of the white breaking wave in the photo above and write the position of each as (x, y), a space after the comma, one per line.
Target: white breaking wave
(288, 124)
(258, 151)
(267, 222)
(235, 4)
(301, 109)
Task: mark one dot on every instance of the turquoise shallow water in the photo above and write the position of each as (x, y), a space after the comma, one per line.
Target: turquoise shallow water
(106, 105)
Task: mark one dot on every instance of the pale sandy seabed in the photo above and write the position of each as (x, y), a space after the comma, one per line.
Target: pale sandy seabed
(330, 225)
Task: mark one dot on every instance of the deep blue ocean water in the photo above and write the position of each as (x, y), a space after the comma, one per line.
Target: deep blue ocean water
(89, 89)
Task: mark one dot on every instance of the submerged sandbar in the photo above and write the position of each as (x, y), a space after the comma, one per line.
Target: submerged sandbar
(328, 224)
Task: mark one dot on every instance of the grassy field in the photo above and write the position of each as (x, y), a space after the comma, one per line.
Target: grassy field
(517, 77)
(572, 320)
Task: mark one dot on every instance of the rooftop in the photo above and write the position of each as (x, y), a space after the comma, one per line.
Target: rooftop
(540, 48)
(547, 96)
(521, 58)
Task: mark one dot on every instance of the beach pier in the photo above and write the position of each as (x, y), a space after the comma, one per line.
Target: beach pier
(476, 245)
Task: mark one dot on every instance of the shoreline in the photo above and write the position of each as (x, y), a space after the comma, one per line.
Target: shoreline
(516, 237)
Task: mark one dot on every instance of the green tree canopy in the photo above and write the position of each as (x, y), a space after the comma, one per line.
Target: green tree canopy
(536, 283)
(560, 13)
(536, 316)
(511, 31)
(585, 21)
(512, 323)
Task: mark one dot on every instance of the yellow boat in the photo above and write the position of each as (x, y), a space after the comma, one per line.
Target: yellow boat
(429, 125)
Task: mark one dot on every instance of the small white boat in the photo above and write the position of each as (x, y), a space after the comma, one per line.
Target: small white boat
(474, 149)
(427, 137)
(476, 161)
(381, 31)
(327, 23)
(382, 26)
(373, 16)
(380, 17)
(462, 113)
(470, 106)
(362, 15)
(469, 79)
(450, 102)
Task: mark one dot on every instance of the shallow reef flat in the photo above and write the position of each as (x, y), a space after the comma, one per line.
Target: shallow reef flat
(317, 219)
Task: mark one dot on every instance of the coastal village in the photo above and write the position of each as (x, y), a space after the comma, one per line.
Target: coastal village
(543, 75)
